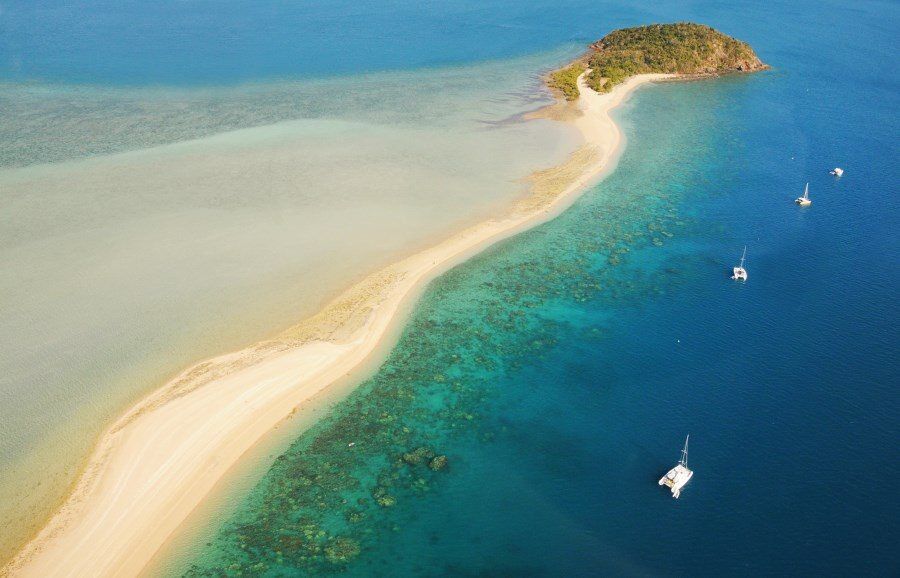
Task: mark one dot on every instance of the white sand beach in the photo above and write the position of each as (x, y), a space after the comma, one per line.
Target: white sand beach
(158, 462)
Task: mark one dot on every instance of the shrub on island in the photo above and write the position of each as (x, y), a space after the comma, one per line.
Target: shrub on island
(565, 79)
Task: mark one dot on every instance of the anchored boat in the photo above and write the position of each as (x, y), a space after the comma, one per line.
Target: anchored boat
(804, 200)
(677, 477)
(740, 274)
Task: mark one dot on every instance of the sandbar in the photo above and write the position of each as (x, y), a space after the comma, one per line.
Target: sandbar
(156, 464)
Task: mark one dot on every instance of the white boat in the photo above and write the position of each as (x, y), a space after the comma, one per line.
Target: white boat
(804, 200)
(837, 171)
(677, 477)
(740, 274)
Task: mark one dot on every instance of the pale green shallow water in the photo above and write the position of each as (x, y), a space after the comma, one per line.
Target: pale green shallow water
(176, 224)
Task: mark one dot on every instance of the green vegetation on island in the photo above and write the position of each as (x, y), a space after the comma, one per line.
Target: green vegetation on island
(565, 79)
(681, 48)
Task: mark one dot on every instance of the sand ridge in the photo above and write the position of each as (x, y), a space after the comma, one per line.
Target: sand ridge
(157, 462)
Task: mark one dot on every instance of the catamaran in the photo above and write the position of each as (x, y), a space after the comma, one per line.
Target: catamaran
(740, 274)
(677, 477)
(804, 200)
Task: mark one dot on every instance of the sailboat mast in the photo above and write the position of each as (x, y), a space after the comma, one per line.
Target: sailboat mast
(684, 452)
(743, 256)
(806, 191)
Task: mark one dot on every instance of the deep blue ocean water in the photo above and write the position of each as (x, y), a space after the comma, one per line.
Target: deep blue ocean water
(560, 371)
(125, 42)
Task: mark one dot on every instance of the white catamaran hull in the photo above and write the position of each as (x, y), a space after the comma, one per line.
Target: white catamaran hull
(676, 478)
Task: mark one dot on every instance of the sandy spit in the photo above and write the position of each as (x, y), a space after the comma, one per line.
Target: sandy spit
(158, 461)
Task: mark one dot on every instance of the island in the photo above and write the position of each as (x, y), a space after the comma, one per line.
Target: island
(684, 48)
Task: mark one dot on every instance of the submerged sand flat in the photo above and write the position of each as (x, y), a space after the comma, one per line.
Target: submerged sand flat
(144, 229)
(158, 462)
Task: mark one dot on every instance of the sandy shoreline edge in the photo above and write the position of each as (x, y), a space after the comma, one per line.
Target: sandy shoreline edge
(157, 462)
